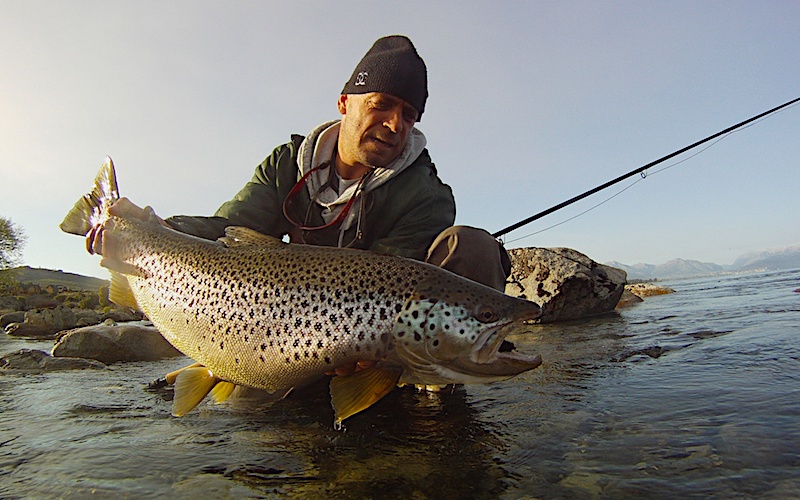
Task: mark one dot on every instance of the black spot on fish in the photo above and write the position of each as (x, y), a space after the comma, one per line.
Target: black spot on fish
(417, 337)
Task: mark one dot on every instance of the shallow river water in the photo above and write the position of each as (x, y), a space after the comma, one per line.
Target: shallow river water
(695, 394)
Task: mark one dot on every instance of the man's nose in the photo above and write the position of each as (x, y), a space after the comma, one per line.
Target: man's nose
(394, 121)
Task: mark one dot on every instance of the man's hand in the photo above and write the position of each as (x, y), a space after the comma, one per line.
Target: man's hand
(120, 208)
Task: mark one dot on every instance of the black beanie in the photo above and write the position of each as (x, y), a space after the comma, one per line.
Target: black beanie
(392, 66)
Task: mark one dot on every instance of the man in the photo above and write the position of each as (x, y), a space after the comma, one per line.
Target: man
(365, 181)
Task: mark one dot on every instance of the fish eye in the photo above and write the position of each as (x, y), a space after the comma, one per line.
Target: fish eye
(485, 314)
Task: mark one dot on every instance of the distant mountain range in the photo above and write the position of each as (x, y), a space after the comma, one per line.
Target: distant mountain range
(786, 258)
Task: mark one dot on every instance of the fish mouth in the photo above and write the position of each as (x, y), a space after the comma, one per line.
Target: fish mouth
(495, 356)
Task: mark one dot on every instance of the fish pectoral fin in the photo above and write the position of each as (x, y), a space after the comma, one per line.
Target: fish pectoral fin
(222, 391)
(244, 236)
(191, 386)
(120, 291)
(351, 394)
(171, 376)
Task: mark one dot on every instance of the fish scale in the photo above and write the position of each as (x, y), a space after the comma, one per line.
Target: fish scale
(258, 312)
(293, 321)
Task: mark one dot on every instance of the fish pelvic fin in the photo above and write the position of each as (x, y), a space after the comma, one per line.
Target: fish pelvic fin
(90, 209)
(244, 236)
(120, 292)
(353, 393)
(222, 391)
(192, 385)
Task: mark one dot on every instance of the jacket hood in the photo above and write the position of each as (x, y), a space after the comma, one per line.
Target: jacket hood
(318, 147)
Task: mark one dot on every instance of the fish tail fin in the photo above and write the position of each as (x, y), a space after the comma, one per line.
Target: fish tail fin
(91, 208)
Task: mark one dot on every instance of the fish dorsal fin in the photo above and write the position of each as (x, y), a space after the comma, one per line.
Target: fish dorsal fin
(191, 386)
(351, 394)
(244, 236)
(222, 391)
(90, 209)
(120, 292)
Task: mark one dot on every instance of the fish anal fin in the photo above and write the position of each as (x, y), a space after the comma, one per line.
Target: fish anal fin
(222, 391)
(351, 394)
(120, 292)
(191, 386)
(244, 236)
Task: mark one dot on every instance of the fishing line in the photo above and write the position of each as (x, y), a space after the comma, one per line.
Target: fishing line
(643, 171)
(643, 176)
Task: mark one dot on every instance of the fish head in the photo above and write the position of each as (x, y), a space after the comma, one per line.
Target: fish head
(449, 334)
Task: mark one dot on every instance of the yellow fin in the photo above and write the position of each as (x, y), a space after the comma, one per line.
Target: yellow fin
(120, 291)
(351, 394)
(191, 386)
(171, 376)
(244, 236)
(222, 391)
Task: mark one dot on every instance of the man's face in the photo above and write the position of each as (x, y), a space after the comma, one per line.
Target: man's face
(374, 128)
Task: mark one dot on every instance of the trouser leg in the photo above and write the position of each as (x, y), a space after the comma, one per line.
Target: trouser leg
(472, 253)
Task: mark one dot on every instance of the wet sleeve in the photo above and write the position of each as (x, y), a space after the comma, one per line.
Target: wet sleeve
(257, 205)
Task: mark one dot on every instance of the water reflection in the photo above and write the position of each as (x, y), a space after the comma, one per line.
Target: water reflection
(409, 445)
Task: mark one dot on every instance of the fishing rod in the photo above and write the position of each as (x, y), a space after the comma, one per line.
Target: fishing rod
(636, 171)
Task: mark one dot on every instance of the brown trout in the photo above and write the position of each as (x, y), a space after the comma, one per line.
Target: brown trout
(261, 313)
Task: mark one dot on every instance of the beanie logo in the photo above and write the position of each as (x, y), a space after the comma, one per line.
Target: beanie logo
(361, 78)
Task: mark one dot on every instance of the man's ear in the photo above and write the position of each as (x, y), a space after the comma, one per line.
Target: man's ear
(341, 104)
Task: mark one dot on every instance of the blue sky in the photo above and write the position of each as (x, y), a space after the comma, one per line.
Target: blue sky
(530, 104)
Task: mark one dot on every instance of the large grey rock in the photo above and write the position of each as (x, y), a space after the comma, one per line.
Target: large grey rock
(565, 283)
(86, 317)
(34, 361)
(110, 343)
(28, 330)
(12, 317)
(51, 321)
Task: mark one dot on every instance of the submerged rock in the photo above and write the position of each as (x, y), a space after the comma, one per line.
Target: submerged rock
(642, 290)
(628, 299)
(35, 361)
(110, 343)
(565, 283)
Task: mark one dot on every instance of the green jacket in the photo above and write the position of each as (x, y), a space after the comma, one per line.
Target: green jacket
(401, 217)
